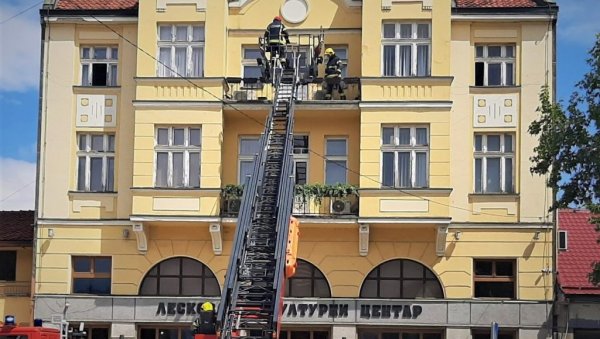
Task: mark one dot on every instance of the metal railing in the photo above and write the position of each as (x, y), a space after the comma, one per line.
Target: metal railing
(303, 206)
(253, 90)
(15, 289)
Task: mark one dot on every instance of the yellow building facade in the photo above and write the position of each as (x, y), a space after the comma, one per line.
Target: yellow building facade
(430, 226)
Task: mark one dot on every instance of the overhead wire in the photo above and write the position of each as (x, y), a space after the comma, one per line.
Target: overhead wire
(310, 150)
(21, 12)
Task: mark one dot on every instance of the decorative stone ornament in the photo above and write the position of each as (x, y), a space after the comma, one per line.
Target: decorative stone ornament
(295, 11)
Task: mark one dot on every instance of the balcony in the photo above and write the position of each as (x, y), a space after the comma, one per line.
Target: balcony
(15, 289)
(253, 90)
(316, 201)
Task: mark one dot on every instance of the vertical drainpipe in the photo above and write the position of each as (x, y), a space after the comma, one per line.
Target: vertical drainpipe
(554, 14)
(48, 4)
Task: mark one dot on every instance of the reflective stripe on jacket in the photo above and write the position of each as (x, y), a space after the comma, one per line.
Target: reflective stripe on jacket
(276, 33)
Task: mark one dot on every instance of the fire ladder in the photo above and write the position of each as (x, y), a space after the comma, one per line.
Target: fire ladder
(252, 299)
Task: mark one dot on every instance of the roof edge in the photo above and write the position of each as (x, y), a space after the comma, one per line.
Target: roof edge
(553, 9)
(132, 12)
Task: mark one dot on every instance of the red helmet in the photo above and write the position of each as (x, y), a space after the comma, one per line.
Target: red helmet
(278, 18)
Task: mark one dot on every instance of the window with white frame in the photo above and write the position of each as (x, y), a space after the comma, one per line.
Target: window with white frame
(406, 49)
(405, 154)
(99, 66)
(180, 50)
(178, 157)
(494, 65)
(300, 157)
(250, 68)
(494, 163)
(336, 160)
(249, 147)
(96, 162)
(562, 240)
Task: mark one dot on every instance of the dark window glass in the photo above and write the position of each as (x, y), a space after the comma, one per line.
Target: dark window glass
(405, 279)
(82, 264)
(180, 276)
(99, 74)
(479, 73)
(309, 281)
(8, 265)
(91, 285)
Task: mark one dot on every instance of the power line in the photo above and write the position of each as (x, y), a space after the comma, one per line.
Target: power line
(17, 191)
(310, 150)
(21, 12)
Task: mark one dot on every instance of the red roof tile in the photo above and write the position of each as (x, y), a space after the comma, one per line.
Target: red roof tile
(97, 4)
(16, 226)
(495, 3)
(575, 263)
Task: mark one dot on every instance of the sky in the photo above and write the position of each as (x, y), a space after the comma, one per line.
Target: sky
(19, 80)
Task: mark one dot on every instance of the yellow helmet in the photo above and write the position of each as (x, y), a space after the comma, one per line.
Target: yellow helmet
(207, 307)
(329, 51)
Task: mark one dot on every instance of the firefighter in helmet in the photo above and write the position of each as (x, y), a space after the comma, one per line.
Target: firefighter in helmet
(333, 74)
(205, 323)
(277, 37)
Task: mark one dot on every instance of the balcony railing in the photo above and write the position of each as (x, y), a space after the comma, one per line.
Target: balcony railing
(335, 201)
(253, 90)
(15, 289)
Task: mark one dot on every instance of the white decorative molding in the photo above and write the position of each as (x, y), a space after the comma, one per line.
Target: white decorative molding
(176, 204)
(107, 204)
(403, 205)
(295, 11)
(140, 235)
(440, 240)
(387, 4)
(161, 5)
(495, 110)
(217, 240)
(363, 239)
(96, 110)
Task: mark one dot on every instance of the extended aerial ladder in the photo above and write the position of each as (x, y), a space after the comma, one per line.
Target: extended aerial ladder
(266, 235)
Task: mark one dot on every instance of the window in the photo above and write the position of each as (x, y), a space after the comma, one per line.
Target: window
(92, 275)
(180, 51)
(303, 334)
(249, 147)
(99, 66)
(401, 279)
(405, 153)
(8, 265)
(300, 159)
(336, 160)
(494, 163)
(250, 68)
(495, 65)
(485, 334)
(166, 332)
(178, 157)
(399, 334)
(562, 240)
(406, 49)
(96, 162)
(308, 282)
(494, 278)
(179, 277)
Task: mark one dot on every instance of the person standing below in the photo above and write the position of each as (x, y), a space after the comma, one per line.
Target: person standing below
(277, 37)
(333, 74)
(205, 323)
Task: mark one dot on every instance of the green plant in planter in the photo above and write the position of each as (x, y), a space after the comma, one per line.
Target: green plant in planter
(231, 191)
(316, 192)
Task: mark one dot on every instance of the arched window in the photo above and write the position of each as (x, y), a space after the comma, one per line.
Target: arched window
(308, 281)
(401, 279)
(180, 276)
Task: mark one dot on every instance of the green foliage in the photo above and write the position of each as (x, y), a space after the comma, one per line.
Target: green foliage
(569, 145)
(319, 191)
(316, 192)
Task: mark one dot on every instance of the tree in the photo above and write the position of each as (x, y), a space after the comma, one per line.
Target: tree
(569, 145)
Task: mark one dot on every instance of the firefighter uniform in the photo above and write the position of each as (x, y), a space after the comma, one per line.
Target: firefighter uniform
(333, 74)
(277, 36)
(205, 323)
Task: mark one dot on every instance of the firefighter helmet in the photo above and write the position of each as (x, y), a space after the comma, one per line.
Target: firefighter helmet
(329, 51)
(277, 18)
